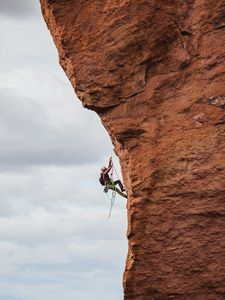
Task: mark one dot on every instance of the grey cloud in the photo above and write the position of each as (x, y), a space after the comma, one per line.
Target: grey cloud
(30, 52)
(63, 261)
(29, 137)
(45, 227)
(6, 297)
(19, 8)
(54, 226)
(97, 288)
(57, 189)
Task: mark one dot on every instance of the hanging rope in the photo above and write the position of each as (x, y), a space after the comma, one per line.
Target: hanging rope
(112, 200)
(117, 174)
(113, 195)
(113, 188)
(113, 167)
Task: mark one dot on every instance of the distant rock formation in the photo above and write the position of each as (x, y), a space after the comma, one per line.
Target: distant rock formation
(154, 71)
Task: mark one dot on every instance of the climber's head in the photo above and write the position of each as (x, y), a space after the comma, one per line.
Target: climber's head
(103, 169)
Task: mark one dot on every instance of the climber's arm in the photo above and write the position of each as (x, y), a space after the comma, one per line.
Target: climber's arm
(109, 166)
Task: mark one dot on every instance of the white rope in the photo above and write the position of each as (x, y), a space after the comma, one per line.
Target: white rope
(113, 196)
(113, 167)
(112, 202)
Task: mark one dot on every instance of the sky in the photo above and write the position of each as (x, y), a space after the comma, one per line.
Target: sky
(56, 240)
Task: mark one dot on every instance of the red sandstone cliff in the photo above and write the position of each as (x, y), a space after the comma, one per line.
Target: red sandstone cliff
(154, 72)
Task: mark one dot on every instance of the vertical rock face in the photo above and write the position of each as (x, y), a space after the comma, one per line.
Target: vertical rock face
(154, 71)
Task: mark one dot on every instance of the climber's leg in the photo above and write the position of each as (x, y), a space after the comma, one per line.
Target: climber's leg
(120, 185)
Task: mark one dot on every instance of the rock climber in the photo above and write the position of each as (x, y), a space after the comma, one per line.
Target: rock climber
(108, 182)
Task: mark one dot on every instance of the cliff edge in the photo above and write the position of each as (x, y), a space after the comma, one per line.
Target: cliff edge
(154, 72)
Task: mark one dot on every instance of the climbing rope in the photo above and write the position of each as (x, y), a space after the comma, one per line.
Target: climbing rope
(112, 187)
(114, 168)
(117, 174)
(112, 199)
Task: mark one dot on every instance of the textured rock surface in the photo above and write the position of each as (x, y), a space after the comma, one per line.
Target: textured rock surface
(154, 72)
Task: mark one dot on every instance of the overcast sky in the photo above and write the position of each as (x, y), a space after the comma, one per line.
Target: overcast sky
(56, 241)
